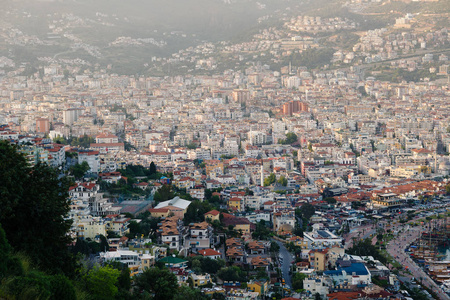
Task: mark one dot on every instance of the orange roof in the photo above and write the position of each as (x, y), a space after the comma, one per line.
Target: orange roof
(209, 252)
(213, 212)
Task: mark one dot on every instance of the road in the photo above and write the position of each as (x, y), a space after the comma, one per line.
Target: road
(286, 265)
(396, 248)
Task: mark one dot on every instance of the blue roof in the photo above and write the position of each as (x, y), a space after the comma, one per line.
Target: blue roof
(357, 268)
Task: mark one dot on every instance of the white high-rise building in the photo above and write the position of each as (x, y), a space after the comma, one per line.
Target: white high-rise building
(71, 115)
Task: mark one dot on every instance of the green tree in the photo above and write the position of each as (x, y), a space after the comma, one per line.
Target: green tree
(274, 247)
(307, 210)
(330, 200)
(164, 193)
(262, 232)
(78, 170)
(196, 212)
(232, 273)
(104, 246)
(283, 181)
(9, 265)
(362, 91)
(101, 282)
(188, 293)
(291, 138)
(161, 284)
(34, 203)
(38, 285)
(206, 264)
(365, 248)
(152, 168)
(84, 141)
(270, 179)
(297, 281)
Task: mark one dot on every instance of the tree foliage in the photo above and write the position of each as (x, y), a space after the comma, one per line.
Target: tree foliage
(19, 281)
(101, 282)
(365, 248)
(202, 265)
(291, 138)
(330, 200)
(84, 141)
(161, 284)
(274, 247)
(262, 232)
(152, 168)
(188, 293)
(283, 181)
(38, 285)
(34, 202)
(196, 212)
(306, 211)
(78, 170)
(164, 193)
(232, 273)
(297, 281)
(270, 179)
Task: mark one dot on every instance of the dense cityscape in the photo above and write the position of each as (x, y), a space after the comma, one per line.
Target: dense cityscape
(308, 159)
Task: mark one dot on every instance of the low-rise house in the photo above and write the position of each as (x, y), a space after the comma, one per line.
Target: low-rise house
(318, 284)
(176, 205)
(258, 286)
(351, 273)
(256, 247)
(136, 262)
(212, 215)
(200, 280)
(210, 253)
(259, 262)
(200, 235)
(321, 238)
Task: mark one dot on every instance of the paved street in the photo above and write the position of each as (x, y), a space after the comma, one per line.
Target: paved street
(396, 249)
(286, 265)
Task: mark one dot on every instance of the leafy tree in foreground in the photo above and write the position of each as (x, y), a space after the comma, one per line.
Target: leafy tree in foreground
(34, 202)
(19, 281)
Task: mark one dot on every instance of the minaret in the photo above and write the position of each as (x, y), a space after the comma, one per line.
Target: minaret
(262, 175)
